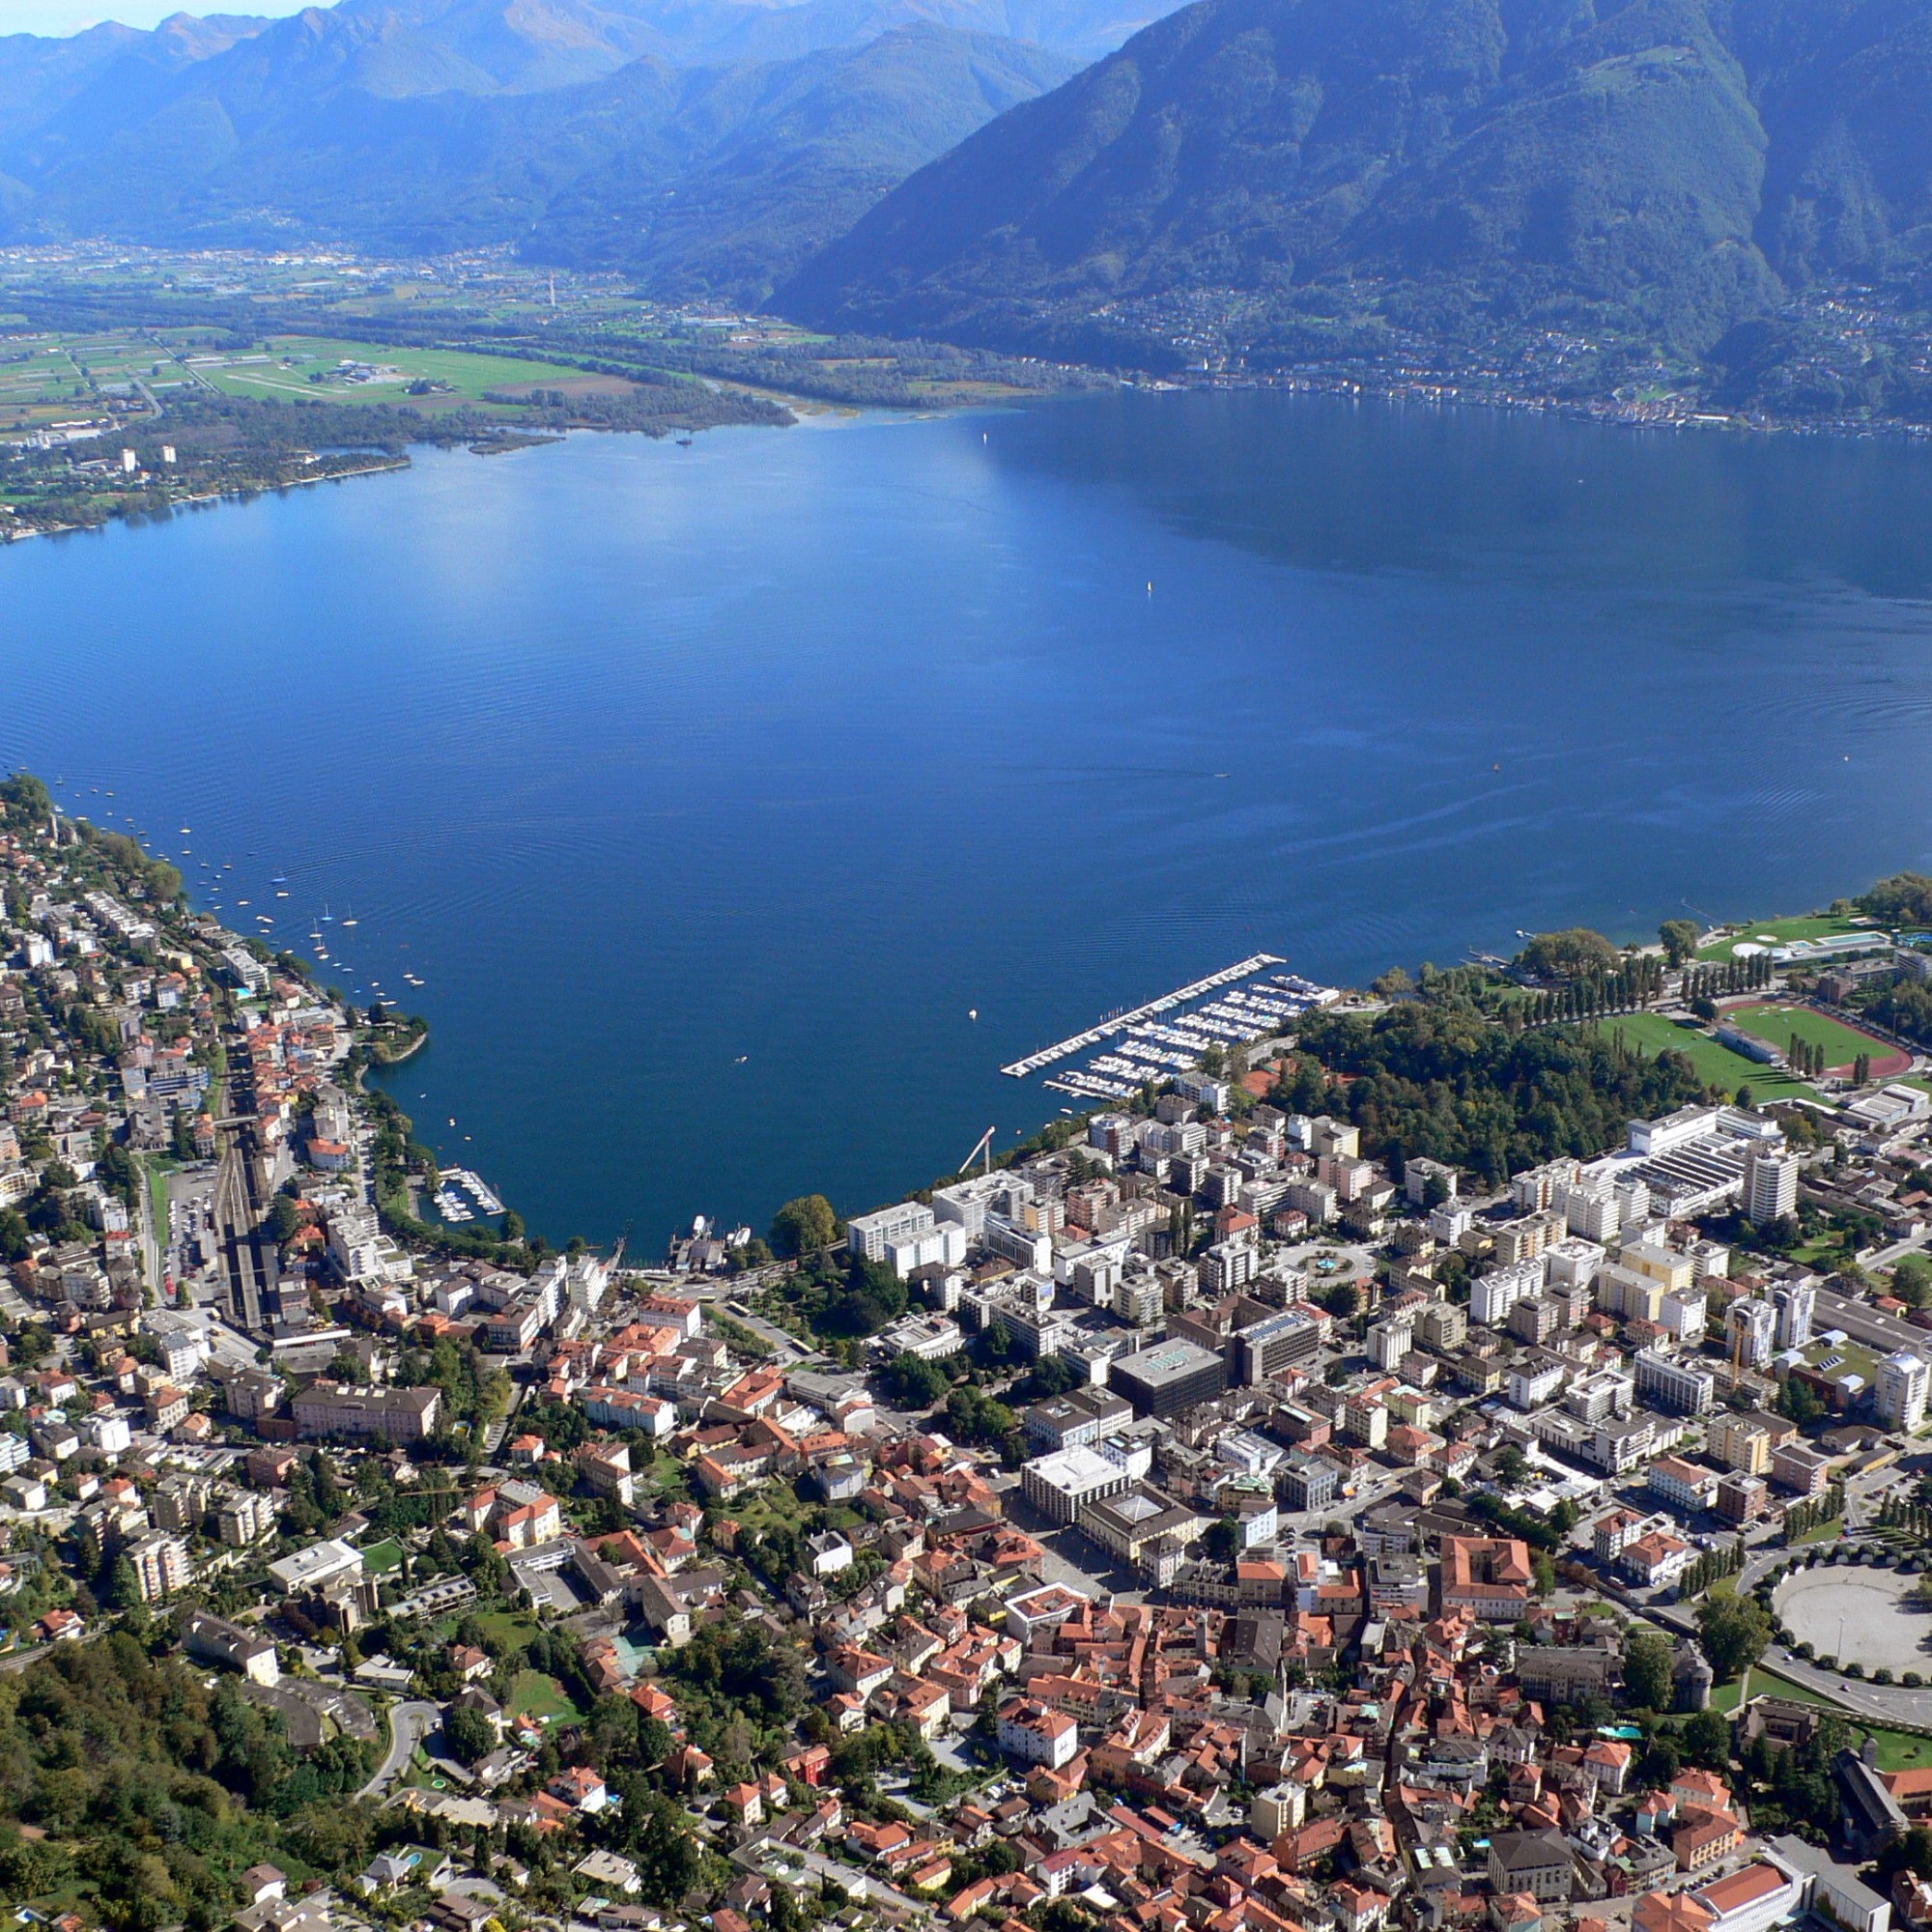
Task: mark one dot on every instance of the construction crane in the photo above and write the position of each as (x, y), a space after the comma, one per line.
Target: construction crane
(983, 1145)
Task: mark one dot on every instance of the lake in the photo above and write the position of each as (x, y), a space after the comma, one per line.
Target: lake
(709, 790)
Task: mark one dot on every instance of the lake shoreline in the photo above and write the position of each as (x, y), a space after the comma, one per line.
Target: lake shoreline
(712, 791)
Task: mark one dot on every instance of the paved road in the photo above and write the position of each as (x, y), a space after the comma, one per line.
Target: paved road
(1885, 1258)
(1888, 1703)
(409, 1724)
(493, 1437)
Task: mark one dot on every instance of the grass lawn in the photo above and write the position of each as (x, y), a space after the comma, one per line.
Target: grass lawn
(282, 374)
(1719, 1066)
(1821, 927)
(1900, 1751)
(507, 1630)
(774, 1503)
(1780, 1025)
(1897, 1750)
(380, 1558)
(1726, 1697)
(158, 1201)
(1767, 1683)
(1826, 1532)
(539, 1697)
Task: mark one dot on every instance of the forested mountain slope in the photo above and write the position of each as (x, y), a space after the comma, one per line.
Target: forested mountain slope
(696, 179)
(1308, 176)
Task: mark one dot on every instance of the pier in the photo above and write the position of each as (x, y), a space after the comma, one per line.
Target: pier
(1123, 1022)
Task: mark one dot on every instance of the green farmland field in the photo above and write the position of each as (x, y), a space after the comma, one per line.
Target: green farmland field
(296, 368)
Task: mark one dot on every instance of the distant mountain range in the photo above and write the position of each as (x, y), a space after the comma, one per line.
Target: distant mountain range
(1600, 192)
(1332, 173)
(683, 140)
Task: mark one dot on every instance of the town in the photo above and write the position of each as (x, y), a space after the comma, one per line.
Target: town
(1219, 1515)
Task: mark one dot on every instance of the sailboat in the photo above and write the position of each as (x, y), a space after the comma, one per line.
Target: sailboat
(348, 917)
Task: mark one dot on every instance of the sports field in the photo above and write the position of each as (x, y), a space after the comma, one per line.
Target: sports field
(1841, 1044)
(1819, 926)
(1715, 1063)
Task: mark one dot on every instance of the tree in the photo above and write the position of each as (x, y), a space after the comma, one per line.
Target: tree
(27, 795)
(1734, 1632)
(804, 1226)
(1342, 1299)
(1647, 1675)
(1706, 1739)
(1800, 1403)
(1512, 1467)
(470, 1734)
(1680, 938)
(1903, 900)
(667, 1854)
(1223, 1540)
(1568, 955)
(1911, 1851)
(1912, 1281)
(910, 1381)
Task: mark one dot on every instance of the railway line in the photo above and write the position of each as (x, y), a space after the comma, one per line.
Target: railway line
(241, 1201)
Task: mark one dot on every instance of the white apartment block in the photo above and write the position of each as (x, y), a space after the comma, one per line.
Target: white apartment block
(1797, 1304)
(1677, 1387)
(1063, 1484)
(1684, 1312)
(942, 1244)
(1573, 1263)
(1903, 1379)
(867, 1235)
(1492, 1295)
(1750, 1333)
(1770, 1185)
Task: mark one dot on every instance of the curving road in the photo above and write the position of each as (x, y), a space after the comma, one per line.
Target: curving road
(410, 1723)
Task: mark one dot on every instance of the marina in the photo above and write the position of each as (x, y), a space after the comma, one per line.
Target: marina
(1141, 1050)
(462, 1195)
(1120, 1023)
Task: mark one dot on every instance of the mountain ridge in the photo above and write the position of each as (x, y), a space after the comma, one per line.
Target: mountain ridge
(1655, 170)
(290, 132)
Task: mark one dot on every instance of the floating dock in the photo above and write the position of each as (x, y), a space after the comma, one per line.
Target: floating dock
(1112, 1029)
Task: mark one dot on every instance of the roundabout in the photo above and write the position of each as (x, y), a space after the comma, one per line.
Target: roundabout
(1857, 1615)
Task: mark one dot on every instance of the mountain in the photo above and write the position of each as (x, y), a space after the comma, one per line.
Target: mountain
(779, 160)
(1299, 175)
(398, 49)
(697, 180)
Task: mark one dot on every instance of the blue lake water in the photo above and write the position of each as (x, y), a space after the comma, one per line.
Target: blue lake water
(798, 746)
